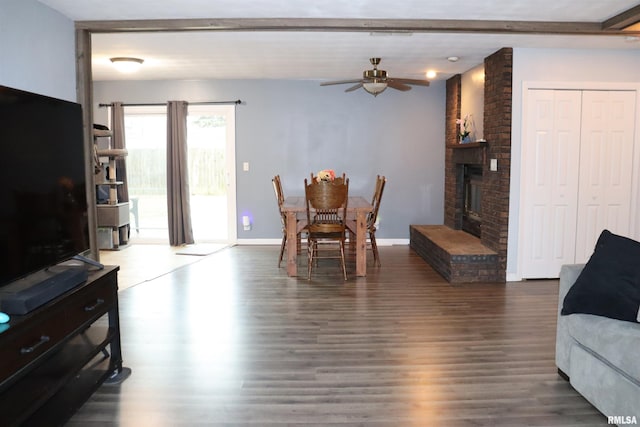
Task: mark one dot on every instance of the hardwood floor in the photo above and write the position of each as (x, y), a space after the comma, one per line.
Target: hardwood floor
(231, 340)
(142, 262)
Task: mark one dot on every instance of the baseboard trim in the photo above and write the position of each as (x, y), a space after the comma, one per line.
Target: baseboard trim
(513, 277)
(381, 242)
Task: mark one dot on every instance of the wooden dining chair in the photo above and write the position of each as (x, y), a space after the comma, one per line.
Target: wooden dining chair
(326, 204)
(277, 189)
(372, 218)
(300, 227)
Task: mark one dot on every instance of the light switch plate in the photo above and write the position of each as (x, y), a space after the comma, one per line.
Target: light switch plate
(494, 165)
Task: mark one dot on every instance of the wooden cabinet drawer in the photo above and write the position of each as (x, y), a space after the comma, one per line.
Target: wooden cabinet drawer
(34, 341)
(89, 304)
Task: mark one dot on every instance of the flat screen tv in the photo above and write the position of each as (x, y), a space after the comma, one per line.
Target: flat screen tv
(43, 203)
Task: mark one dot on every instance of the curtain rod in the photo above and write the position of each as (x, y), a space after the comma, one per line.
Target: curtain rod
(162, 104)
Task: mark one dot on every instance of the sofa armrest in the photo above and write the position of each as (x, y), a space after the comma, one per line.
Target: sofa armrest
(568, 275)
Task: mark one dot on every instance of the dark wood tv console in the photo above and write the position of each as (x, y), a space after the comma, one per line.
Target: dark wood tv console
(53, 358)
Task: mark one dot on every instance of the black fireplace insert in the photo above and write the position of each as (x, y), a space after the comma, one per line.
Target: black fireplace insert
(472, 197)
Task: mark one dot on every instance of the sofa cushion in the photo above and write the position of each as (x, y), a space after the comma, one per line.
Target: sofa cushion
(609, 390)
(618, 343)
(609, 284)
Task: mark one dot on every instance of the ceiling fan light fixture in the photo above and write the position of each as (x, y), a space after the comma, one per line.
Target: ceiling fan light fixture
(375, 81)
(127, 64)
(375, 87)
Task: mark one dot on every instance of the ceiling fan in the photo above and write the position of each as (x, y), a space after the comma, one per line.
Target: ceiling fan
(375, 81)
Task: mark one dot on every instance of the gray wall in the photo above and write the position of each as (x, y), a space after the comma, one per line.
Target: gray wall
(293, 128)
(37, 49)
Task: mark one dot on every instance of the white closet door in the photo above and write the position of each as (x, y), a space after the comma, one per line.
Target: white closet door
(550, 173)
(606, 165)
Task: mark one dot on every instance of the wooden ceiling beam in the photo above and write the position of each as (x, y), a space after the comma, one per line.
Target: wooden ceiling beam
(622, 20)
(351, 25)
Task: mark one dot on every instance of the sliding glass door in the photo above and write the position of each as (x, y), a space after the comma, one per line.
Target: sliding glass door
(211, 152)
(211, 144)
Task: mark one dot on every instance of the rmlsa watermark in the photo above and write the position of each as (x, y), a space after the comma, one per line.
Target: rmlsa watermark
(622, 420)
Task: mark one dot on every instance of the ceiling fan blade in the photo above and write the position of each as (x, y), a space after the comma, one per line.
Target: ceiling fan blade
(352, 88)
(398, 86)
(411, 81)
(339, 82)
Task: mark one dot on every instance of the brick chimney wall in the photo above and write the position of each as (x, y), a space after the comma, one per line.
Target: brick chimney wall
(452, 203)
(497, 132)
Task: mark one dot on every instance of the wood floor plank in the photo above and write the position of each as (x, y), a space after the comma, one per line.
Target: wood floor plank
(232, 340)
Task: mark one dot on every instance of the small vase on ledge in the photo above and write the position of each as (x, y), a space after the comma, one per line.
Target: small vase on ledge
(465, 139)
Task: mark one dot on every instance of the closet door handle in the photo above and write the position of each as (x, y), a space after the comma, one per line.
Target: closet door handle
(27, 350)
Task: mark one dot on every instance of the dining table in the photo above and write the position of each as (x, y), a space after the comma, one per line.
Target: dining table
(357, 210)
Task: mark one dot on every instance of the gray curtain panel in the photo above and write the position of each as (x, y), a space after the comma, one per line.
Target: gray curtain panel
(118, 141)
(180, 231)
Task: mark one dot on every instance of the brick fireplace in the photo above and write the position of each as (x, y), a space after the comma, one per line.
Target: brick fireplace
(485, 242)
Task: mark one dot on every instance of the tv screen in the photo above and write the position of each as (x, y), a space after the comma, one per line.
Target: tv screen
(43, 203)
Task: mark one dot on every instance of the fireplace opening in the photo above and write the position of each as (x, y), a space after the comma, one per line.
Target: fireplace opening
(472, 194)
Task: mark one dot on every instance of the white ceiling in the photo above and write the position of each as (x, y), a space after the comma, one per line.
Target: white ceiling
(326, 55)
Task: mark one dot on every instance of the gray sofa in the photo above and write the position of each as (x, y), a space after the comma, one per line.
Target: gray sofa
(599, 356)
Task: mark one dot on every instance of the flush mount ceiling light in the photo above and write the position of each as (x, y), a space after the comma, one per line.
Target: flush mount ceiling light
(127, 64)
